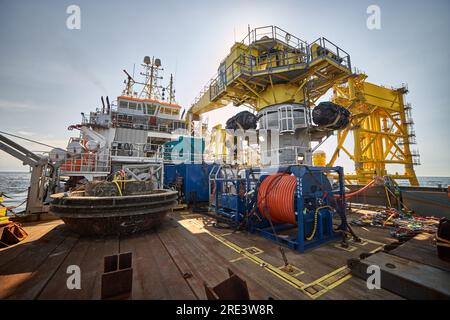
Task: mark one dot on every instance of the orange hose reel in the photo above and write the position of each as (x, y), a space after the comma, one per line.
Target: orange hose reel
(276, 198)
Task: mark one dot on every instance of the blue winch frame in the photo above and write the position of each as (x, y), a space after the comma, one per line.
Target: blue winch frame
(237, 207)
(229, 205)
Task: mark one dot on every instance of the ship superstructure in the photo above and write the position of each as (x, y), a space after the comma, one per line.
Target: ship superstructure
(130, 130)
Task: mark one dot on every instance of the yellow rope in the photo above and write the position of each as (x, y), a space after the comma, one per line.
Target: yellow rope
(118, 187)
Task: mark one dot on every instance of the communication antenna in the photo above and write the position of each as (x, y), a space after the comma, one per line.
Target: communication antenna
(151, 88)
(171, 90)
(128, 84)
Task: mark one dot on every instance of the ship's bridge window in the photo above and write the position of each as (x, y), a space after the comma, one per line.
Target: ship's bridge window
(166, 110)
(151, 109)
(123, 104)
(132, 106)
(175, 112)
(139, 107)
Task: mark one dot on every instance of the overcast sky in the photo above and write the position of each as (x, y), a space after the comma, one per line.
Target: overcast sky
(49, 74)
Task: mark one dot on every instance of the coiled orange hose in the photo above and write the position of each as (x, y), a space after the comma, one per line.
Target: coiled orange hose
(276, 198)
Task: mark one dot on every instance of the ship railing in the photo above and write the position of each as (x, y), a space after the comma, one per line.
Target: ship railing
(247, 64)
(86, 162)
(147, 150)
(324, 47)
(184, 157)
(166, 128)
(207, 87)
(302, 53)
(273, 32)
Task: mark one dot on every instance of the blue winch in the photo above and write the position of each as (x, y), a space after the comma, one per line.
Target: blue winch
(291, 205)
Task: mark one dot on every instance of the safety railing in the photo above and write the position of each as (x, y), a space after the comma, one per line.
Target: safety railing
(324, 47)
(86, 162)
(273, 32)
(166, 127)
(248, 64)
(133, 149)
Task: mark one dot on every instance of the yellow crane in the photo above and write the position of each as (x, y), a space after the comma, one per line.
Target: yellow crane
(271, 66)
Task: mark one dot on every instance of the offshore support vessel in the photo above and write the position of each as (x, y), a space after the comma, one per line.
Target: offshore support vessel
(128, 131)
(117, 160)
(254, 211)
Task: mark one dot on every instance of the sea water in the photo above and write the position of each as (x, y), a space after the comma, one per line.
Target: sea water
(15, 185)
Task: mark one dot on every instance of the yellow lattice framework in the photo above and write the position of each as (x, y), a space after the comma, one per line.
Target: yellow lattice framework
(382, 130)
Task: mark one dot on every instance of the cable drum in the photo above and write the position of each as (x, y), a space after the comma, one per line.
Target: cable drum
(276, 198)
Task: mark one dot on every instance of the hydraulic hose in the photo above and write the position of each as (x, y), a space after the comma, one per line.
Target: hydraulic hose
(355, 193)
(316, 217)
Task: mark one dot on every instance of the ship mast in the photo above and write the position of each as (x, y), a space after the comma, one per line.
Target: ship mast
(171, 90)
(151, 88)
(128, 84)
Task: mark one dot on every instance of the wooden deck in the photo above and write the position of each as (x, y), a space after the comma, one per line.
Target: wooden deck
(175, 261)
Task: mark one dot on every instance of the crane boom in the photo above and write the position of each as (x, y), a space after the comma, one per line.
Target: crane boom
(43, 175)
(27, 157)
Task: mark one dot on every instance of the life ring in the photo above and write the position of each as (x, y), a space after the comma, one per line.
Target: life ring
(126, 146)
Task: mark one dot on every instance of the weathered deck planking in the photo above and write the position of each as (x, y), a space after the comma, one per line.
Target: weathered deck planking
(154, 273)
(21, 268)
(177, 259)
(200, 255)
(315, 263)
(421, 249)
(32, 288)
(35, 231)
(88, 255)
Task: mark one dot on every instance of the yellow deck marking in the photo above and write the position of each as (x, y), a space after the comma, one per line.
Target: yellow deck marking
(254, 250)
(349, 249)
(363, 243)
(189, 215)
(373, 242)
(237, 259)
(293, 268)
(251, 250)
(291, 280)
